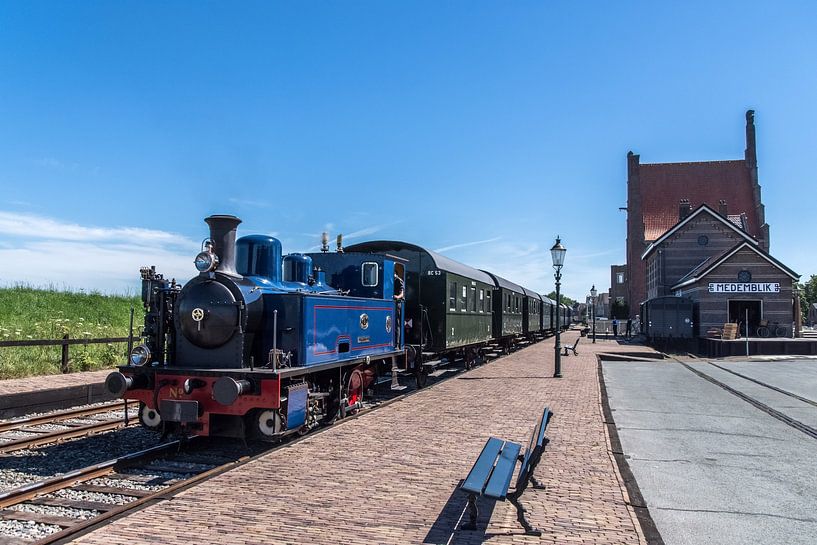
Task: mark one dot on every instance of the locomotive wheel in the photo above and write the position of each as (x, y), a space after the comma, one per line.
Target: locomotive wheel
(421, 377)
(470, 358)
(269, 423)
(149, 418)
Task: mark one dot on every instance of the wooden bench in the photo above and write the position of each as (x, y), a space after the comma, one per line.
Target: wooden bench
(492, 472)
(572, 348)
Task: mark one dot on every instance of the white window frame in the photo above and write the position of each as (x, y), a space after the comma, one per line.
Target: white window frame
(376, 274)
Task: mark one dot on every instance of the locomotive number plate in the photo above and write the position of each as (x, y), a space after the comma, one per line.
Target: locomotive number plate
(179, 411)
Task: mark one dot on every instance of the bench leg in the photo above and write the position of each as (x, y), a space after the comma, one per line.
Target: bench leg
(472, 514)
(520, 516)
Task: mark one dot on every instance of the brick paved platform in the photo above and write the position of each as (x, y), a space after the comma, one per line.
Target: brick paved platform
(391, 476)
(32, 394)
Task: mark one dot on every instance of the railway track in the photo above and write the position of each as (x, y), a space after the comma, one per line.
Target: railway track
(110, 489)
(765, 407)
(99, 492)
(40, 430)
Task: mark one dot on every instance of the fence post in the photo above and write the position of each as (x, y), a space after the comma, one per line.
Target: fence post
(130, 335)
(64, 359)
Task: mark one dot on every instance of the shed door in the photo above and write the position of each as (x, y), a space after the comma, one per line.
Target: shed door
(738, 310)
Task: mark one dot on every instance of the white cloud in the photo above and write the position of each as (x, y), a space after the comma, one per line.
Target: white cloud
(34, 226)
(530, 265)
(466, 244)
(364, 232)
(44, 251)
(248, 202)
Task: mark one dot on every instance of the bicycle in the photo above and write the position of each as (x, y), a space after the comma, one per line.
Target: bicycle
(765, 330)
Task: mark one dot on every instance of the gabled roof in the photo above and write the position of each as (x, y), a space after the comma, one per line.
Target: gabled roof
(715, 261)
(695, 213)
(700, 265)
(662, 185)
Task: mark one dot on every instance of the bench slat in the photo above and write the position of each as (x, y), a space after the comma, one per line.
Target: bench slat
(536, 441)
(501, 477)
(475, 481)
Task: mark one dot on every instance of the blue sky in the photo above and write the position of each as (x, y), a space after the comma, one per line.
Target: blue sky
(481, 128)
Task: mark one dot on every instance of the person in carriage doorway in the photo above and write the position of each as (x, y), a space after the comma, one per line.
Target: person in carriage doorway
(399, 296)
(615, 328)
(629, 328)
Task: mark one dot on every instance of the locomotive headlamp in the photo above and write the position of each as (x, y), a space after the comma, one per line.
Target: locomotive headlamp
(206, 261)
(140, 355)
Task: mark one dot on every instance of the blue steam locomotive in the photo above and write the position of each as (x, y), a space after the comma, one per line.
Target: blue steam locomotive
(257, 344)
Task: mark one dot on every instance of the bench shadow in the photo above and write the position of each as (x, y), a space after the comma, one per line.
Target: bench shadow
(446, 529)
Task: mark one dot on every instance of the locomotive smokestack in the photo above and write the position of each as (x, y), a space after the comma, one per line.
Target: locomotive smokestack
(222, 233)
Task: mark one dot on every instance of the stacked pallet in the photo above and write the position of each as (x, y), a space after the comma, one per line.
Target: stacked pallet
(730, 332)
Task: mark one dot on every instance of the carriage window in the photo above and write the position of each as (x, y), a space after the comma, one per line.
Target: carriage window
(452, 296)
(488, 301)
(370, 271)
(464, 304)
(474, 299)
(482, 300)
(508, 301)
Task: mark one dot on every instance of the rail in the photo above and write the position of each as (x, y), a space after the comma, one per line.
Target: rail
(65, 342)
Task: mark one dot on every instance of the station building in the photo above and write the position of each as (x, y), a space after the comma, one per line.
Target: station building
(698, 230)
(709, 257)
(654, 191)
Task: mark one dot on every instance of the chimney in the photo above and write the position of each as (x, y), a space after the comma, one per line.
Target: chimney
(684, 209)
(722, 209)
(751, 147)
(222, 233)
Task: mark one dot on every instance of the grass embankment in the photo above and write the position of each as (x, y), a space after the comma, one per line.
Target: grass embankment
(28, 313)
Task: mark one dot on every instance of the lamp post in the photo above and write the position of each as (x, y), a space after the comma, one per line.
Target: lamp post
(593, 293)
(557, 253)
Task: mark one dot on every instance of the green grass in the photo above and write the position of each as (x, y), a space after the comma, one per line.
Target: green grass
(30, 313)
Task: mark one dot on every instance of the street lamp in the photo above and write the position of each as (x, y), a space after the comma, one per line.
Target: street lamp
(593, 293)
(558, 254)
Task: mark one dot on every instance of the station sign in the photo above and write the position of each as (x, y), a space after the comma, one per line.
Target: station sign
(744, 287)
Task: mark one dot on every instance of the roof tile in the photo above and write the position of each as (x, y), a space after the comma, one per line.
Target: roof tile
(663, 185)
